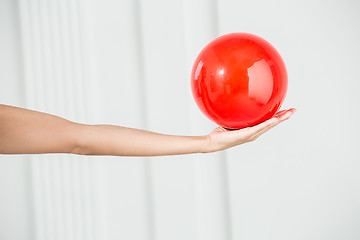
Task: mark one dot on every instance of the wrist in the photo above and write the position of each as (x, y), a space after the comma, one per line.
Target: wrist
(206, 145)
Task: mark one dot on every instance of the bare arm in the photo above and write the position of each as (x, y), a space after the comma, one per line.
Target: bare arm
(29, 132)
(26, 131)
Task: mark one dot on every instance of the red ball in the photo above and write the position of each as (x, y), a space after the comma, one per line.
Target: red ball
(239, 80)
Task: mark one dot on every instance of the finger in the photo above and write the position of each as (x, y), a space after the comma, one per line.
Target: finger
(280, 112)
(275, 119)
(284, 117)
(287, 114)
(222, 129)
(258, 134)
(279, 116)
(257, 128)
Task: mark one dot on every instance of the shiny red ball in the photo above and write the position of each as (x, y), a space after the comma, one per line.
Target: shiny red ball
(239, 80)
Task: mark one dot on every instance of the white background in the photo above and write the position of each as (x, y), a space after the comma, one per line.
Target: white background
(299, 181)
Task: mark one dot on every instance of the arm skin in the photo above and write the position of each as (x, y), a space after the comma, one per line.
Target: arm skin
(25, 131)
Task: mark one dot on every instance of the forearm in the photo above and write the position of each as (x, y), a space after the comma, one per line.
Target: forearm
(123, 141)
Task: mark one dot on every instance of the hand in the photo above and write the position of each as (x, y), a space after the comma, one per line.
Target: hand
(221, 138)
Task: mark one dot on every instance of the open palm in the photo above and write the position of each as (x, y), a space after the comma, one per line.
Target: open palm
(221, 138)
